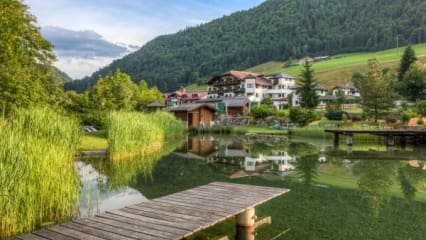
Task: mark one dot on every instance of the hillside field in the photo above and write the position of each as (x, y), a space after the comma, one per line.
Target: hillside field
(341, 67)
(338, 68)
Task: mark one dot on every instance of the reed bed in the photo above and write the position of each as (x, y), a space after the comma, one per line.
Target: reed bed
(38, 183)
(132, 134)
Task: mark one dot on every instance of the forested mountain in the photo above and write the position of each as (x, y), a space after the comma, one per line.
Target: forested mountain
(274, 30)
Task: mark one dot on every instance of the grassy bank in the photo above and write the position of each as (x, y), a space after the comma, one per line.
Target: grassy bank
(94, 141)
(37, 178)
(133, 134)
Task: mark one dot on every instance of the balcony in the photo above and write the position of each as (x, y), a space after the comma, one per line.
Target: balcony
(222, 91)
(227, 82)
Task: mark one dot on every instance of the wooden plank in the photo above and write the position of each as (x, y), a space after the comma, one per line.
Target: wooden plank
(164, 212)
(96, 232)
(51, 235)
(62, 229)
(183, 210)
(178, 221)
(137, 228)
(151, 220)
(118, 230)
(246, 187)
(173, 216)
(138, 223)
(217, 198)
(206, 203)
(225, 196)
(29, 237)
(200, 206)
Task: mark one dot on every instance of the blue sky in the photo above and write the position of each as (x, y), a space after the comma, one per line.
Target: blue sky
(132, 21)
(89, 34)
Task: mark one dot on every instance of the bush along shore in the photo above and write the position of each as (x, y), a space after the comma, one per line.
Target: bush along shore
(38, 183)
(132, 134)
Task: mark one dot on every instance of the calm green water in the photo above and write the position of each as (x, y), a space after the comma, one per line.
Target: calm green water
(364, 192)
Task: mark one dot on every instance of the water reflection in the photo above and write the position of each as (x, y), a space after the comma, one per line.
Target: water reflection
(95, 196)
(366, 178)
(375, 170)
(106, 184)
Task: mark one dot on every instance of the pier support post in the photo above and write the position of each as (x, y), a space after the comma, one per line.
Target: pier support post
(336, 140)
(349, 139)
(246, 218)
(246, 224)
(390, 140)
(403, 142)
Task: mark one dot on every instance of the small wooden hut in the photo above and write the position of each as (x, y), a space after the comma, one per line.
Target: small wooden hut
(195, 114)
(155, 106)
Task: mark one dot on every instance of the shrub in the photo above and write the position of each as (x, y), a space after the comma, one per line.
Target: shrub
(303, 116)
(336, 115)
(282, 113)
(405, 117)
(420, 121)
(262, 111)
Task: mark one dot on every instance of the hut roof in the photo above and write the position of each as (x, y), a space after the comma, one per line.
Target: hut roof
(155, 104)
(236, 102)
(192, 106)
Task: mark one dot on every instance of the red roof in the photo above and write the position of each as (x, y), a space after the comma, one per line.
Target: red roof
(238, 74)
(263, 81)
(195, 95)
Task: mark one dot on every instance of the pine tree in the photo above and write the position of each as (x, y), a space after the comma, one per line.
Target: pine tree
(407, 59)
(307, 91)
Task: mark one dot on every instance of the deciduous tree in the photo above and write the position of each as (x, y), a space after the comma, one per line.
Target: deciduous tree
(375, 90)
(414, 82)
(25, 57)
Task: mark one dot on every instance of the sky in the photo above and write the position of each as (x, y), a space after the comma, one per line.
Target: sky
(89, 34)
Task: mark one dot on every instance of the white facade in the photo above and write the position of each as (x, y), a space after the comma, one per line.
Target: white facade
(321, 92)
(347, 89)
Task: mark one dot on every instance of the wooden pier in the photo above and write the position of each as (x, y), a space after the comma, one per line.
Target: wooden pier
(174, 216)
(390, 134)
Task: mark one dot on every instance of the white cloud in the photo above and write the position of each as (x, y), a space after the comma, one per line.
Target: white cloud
(78, 68)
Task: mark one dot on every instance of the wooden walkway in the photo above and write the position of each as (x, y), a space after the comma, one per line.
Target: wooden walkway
(173, 216)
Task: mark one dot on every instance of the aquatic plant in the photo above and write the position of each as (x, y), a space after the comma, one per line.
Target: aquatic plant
(38, 184)
(133, 134)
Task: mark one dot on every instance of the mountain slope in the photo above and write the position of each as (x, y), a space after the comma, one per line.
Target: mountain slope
(276, 30)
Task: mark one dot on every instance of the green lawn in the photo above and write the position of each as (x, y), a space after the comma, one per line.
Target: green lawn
(259, 130)
(94, 141)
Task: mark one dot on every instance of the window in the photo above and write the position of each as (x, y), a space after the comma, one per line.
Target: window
(250, 85)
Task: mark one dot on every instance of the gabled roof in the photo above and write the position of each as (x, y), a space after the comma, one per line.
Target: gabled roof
(237, 74)
(318, 87)
(191, 107)
(236, 102)
(344, 86)
(280, 75)
(155, 104)
(263, 81)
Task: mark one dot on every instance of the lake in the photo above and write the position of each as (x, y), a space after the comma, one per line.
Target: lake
(366, 191)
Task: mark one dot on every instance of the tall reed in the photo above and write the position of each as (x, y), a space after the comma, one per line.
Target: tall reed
(133, 134)
(38, 183)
